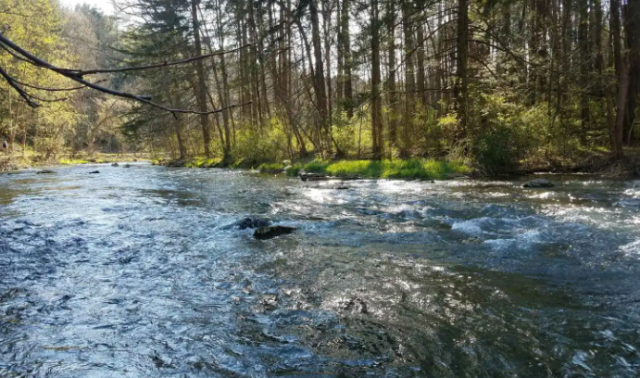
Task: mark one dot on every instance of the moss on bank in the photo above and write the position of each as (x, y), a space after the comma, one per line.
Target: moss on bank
(272, 168)
(101, 159)
(18, 161)
(412, 169)
(420, 169)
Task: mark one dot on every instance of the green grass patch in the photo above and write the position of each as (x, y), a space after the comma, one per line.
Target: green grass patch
(272, 168)
(202, 163)
(398, 169)
(294, 169)
(100, 158)
(72, 161)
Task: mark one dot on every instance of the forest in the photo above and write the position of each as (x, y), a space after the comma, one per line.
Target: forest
(399, 188)
(500, 85)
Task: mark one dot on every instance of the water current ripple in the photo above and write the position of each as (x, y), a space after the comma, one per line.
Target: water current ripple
(138, 273)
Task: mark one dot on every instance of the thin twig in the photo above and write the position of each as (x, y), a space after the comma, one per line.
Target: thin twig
(54, 89)
(151, 66)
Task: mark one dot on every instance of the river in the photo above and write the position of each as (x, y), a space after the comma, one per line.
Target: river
(139, 273)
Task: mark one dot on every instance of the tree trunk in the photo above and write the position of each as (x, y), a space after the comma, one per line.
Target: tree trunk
(225, 93)
(347, 83)
(622, 75)
(393, 100)
(409, 79)
(421, 78)
(585, 65)
(319, 79)
(376, 109)
(462, 84)
(201, 88)
(632, 24)
(623, 91)
(326, 16)
(177, 127)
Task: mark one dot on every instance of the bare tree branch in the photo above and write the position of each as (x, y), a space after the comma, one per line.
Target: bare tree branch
(152, 66)
(77, 76)
(54, 89)
(20, 91)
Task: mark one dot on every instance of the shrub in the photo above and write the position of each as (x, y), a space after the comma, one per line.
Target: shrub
(293, 170)
(272, 168)
(399, 169)
(497, 138)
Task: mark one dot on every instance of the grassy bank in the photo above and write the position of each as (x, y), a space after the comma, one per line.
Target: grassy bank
(412, 169)
(103, 159)
(420, 169)
(18, 161)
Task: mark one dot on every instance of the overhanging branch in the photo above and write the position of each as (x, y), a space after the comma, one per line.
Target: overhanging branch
(78, 76)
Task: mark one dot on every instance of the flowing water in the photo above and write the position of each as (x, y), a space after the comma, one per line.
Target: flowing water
(139, 273)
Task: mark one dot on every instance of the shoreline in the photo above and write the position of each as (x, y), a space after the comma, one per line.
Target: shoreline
(14, 163)
(408, 170)
(629, 171)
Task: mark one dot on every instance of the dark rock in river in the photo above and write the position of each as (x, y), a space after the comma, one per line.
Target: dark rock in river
(127, 165)
(176, 163)
(539, 183)
(94, 173)
(264, 233)
(45, 172)
(304, 176)
(115, 165)
(307, 176)
(252, 223)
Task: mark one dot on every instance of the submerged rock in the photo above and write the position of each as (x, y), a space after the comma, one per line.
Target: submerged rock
(115, 165)
(45, 172)
(252, 223)
(270, 232)
(304, 176)
(94, 173)
(307, 176)
(539, 183)
(127, 165)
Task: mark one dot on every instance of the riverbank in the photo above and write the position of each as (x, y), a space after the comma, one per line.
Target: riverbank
(17, 162)
(416, 169)
(412, 169)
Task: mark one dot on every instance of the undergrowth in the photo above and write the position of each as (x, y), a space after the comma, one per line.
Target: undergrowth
(397, 169)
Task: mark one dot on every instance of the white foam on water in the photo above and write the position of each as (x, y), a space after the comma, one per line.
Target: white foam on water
(501, 244)
(531, 236)
(470, 227)
(592, 216)
(397, 209)
(543, 195)
(522, 240)
(402, 228)
(399, 186)
(631, 248)
(324, 196)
